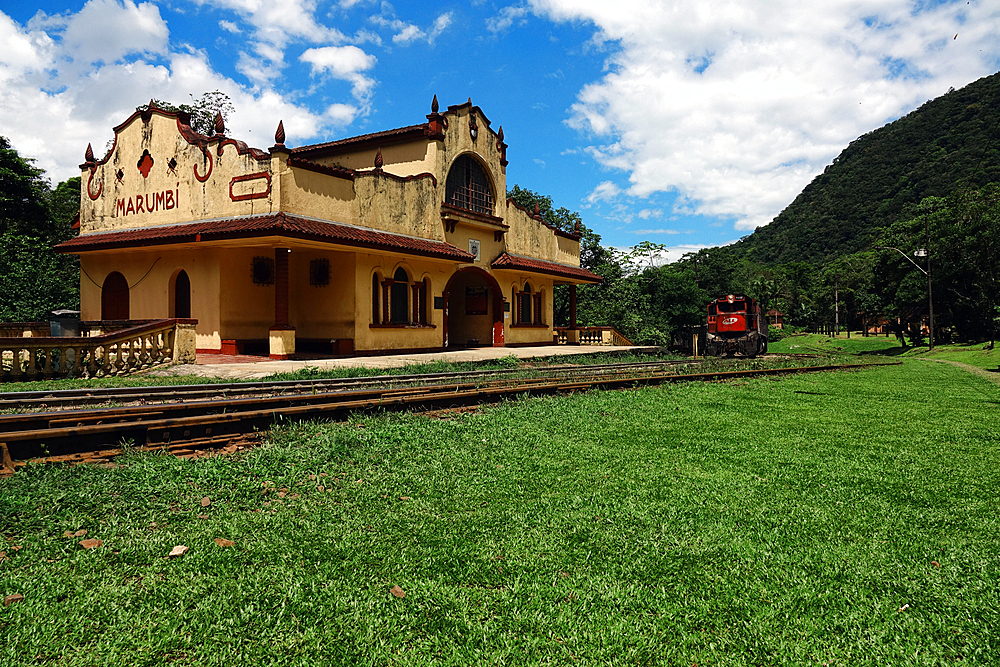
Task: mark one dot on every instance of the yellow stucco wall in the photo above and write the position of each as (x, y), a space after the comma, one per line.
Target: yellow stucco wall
(401, 159)
(149, 274)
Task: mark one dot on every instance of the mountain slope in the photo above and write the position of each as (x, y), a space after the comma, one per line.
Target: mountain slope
(947, 144)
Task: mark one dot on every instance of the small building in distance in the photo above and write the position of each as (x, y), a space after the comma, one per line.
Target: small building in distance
(397, 240)
(776, 318)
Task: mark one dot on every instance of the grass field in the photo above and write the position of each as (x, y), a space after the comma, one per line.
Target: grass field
(847, 518)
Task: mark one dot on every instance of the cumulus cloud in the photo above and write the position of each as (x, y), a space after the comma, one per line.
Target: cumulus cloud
(104, 31)
(275, 24)
(60, 90)
(346, 63)
(735, 105)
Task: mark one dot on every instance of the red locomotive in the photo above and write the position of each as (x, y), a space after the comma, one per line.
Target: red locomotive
(735, 326)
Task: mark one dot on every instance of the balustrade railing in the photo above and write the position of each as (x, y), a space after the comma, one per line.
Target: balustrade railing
(593, 336)
(116, 352)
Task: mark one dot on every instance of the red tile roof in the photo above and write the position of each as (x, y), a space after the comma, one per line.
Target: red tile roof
(277, 224)
(521, 263)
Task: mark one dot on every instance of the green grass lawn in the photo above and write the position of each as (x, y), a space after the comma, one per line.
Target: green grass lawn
(848, 518)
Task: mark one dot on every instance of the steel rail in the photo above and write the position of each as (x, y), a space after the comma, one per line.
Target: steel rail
(51, 398)
(71, 433)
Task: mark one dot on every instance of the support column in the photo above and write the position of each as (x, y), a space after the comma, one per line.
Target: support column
(415, 292)
(573, 334)
(281, 337)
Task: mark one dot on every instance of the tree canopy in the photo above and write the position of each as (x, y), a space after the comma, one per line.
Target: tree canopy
(33, 278)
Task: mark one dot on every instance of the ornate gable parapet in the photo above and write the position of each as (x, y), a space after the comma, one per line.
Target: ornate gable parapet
(160, 171)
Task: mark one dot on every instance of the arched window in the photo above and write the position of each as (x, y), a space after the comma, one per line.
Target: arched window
(376, 310)
(182, 295)
(399, 297)
(468, 187)
(114, 297)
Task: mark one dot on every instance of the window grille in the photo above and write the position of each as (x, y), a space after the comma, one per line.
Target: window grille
(468, 187)
(263, 271)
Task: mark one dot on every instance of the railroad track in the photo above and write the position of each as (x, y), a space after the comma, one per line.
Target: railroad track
(184, 420)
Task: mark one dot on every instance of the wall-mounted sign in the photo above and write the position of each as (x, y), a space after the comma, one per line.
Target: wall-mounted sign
(474, 248)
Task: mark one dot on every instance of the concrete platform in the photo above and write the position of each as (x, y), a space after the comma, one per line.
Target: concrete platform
(259, 369)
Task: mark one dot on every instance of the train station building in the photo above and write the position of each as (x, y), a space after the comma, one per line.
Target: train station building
(400, 240)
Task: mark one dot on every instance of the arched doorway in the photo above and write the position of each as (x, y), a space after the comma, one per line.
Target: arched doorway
(114, 297)
(473, 310)
(182, 296)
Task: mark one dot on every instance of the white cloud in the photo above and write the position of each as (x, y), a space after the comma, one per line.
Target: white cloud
(605, 191)
(104, 31)
(408, 33)
(229, 26)
(275, 23)
(737, 104)
(508, 17)
(343, 62)
(51, 106)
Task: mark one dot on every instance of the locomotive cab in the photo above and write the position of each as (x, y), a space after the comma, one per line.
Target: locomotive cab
(735, 326)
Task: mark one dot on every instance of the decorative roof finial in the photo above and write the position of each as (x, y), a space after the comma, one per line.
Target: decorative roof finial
(89, 155)
(378, 159)
(220, 124)
(500, 134)
(536, 209)
(470, 101)
(434, 105)
(279, 134)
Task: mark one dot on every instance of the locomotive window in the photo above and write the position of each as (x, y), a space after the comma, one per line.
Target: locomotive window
(712, 310)
(734, 307)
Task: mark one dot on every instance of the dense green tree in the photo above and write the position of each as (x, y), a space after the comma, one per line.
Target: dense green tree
(33, 278)
(23, 194)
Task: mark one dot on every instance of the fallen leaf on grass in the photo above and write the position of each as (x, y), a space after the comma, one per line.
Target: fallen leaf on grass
(206, 501)
(398, 592)
(903, 608)
(223, 542)
(179, 550)
(80, 533)
(312, 478)
(935, 563)
(90, 543)
(202, 516)
(404, 497)
(11, 599)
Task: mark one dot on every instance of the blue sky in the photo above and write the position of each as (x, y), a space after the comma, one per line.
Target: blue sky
(678, 122)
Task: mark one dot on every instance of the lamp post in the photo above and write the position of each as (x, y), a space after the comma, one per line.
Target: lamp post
(921, 252)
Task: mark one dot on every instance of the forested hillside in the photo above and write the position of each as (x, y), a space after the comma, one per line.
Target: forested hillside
(948, 144)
